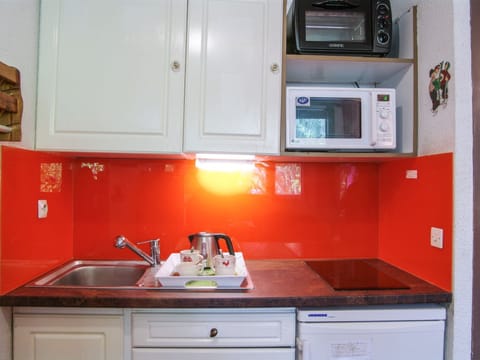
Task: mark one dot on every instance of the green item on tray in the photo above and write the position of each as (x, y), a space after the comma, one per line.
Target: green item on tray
(201, 284)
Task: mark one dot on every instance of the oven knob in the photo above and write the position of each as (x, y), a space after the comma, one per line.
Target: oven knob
(382, 9)
(384, 126)
(384, 114)
(383, 37)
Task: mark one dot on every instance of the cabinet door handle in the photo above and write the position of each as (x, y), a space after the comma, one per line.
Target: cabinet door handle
(175, 66)
(213, 332)
(274, 68)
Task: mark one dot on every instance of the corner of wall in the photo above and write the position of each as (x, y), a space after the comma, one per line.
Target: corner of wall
(409, 207)
(29, 245)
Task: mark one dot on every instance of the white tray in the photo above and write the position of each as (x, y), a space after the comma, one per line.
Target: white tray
(238, 281)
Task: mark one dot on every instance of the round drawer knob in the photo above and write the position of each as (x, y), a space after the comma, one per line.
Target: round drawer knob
(213, 332)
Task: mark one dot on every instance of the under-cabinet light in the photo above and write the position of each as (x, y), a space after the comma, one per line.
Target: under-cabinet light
(225, 162)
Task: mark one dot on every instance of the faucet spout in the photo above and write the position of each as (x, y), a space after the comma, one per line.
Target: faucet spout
(153, 259)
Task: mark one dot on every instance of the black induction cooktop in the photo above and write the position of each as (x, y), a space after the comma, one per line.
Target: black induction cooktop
(356, 274)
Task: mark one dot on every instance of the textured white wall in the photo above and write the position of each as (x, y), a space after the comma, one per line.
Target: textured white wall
(18, 48)
(463, 186)
(436, 44)
(435, 34)
(444, 35)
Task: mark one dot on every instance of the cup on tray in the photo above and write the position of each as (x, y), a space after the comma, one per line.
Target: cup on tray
(224, 264)
(191, 255)
(187, 269)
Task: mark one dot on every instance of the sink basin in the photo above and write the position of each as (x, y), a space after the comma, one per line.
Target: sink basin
(93, 273)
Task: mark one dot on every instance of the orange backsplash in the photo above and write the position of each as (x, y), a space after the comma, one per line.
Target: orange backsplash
(31, 246)
(275, 210)
(409, 208)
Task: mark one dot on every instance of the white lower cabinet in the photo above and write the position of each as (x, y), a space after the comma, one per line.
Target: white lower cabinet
(73, 334)
(41, 333)
(212, 334)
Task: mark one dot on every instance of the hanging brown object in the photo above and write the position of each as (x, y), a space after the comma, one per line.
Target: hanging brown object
(11, 104)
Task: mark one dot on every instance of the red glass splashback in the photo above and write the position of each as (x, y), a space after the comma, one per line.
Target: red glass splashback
(285, 210)
(408, 208)
(29, 245)
(281, 210)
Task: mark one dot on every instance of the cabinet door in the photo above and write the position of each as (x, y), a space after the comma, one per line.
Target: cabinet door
(233, 78)
(111, 75)
(72, 337)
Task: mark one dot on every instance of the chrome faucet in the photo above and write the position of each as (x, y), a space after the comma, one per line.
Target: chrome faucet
(153, 259)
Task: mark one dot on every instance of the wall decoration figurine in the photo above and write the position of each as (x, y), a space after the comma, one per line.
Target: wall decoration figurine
(438, 85)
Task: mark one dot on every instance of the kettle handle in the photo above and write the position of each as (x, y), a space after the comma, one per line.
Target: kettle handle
(228, 241)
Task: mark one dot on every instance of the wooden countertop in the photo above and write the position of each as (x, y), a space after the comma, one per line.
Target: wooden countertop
(277, 283)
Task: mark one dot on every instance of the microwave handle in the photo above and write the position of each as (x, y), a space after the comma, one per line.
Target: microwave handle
(336, 4)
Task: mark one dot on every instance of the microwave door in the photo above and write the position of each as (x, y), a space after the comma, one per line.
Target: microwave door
(338, 120)
(329, 123)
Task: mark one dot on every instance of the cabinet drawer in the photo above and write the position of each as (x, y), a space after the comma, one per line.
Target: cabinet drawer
(214, 354)
(214, 328)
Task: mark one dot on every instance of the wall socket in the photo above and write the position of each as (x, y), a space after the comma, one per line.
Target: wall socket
(42, 209)
(436, 237)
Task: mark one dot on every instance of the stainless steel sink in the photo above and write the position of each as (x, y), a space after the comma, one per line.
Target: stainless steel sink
(93, 273)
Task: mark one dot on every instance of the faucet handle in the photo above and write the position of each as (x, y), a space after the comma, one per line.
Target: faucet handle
(153, 242)
(154, 249)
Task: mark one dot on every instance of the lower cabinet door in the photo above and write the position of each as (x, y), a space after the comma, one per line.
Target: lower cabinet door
(72, 337)
(214, 354)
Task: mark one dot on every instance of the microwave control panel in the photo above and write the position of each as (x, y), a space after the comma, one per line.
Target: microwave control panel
(383, 134)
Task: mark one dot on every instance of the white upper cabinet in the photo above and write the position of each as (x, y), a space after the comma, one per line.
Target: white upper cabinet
(111, 75)
(234, 76)
(139, 77)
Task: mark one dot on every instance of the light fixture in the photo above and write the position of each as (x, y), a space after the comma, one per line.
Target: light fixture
(225, 174)
(225, 162)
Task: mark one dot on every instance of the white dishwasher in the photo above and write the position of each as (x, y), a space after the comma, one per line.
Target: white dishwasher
(413, 332)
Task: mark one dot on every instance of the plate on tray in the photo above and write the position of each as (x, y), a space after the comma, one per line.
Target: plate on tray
(240, 280)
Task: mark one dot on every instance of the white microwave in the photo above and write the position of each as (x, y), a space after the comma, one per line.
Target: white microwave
(340, 119)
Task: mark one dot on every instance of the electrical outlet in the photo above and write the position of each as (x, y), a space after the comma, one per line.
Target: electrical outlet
(42, 209)
(436, 237)
(411, 174)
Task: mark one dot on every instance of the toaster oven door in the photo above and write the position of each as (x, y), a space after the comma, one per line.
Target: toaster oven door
(334, 29)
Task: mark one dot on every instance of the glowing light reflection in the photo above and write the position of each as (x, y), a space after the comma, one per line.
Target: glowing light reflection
(225, 174)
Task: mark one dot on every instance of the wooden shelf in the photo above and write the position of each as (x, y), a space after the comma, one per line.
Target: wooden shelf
(343, 156)
(343, 69)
